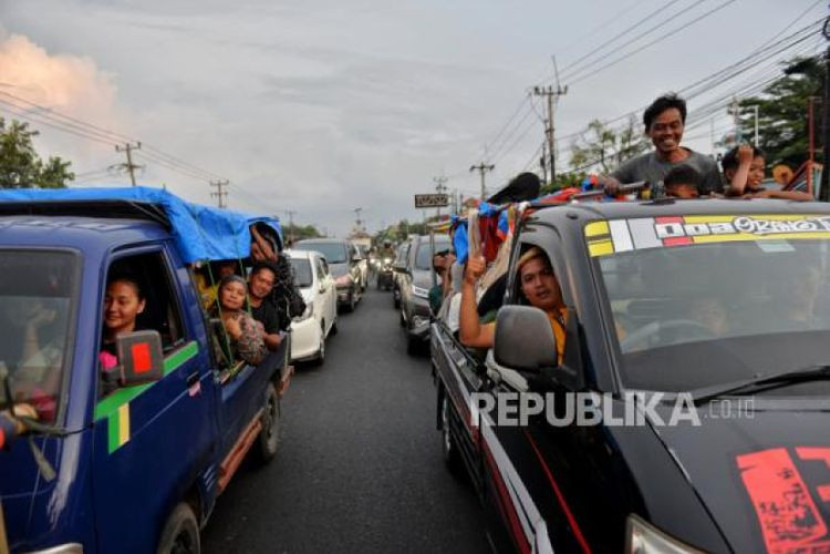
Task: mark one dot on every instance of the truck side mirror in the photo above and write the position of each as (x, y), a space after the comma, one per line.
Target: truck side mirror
(524, 339)
(140, 357)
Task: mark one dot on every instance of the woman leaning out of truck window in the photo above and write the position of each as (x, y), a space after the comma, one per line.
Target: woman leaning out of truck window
(247, 335)
(123, 301)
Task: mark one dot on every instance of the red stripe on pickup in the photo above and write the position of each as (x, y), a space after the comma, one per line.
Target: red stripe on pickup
(507, 504)
(562, 503)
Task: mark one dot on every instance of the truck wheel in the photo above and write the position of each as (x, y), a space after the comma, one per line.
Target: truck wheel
(181, 532)
(333, 330)
(413, 345)
(450, 450)
(269, 437)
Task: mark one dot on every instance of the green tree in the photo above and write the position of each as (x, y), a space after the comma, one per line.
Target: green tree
(20, 165)
(563, 181)
(300, 232)
(783, 118)
(604, 148)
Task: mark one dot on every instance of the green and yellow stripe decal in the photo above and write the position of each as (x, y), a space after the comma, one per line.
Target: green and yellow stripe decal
(119, 428)
(116, 407)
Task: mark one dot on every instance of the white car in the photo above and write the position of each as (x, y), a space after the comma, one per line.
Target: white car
(309, 331)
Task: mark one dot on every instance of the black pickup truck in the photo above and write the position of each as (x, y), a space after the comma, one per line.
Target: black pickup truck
(696, 343)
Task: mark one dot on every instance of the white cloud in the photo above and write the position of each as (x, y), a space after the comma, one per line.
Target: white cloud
(34, 82)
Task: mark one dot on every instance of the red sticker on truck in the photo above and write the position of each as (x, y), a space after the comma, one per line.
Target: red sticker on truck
(789, 517)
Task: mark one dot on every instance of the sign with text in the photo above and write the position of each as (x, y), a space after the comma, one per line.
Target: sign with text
(431, 201)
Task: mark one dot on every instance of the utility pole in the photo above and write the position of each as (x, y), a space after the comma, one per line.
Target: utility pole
(220, 193)
(358, 222)
(811, 141)
(712, 136)
(824, 191)
(290, 225)
(129, 166)
(735, 111)
(551, 94)
(482, 168)
(755, 108)
(441, 188)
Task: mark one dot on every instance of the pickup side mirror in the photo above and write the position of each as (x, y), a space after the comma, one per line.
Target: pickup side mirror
(524, 339)
(141, 357)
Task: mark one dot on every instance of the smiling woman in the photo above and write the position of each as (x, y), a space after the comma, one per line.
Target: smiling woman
(123, 302)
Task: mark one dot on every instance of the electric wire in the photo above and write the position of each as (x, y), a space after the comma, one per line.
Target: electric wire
(674, 31)
(569, 74)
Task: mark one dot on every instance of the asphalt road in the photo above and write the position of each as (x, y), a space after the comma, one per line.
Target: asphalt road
(359, 468)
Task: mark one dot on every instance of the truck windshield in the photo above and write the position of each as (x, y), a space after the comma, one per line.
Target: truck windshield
(36, 299)
(423, 260)
(691, 315)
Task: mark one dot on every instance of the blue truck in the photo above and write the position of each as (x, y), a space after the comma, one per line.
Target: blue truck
(138, 469)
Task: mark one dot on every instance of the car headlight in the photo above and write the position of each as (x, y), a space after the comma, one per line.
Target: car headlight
(642, 538)
(387, 260)
(307, 313)
(419, 292)
(343, 281)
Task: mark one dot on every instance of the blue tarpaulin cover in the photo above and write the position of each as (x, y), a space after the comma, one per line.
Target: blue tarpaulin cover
(200, 232)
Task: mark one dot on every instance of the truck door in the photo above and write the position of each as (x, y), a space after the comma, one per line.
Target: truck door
(152, 442)
(539, 476)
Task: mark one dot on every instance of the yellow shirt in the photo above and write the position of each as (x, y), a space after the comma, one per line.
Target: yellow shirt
(208, 293)
(557, 323)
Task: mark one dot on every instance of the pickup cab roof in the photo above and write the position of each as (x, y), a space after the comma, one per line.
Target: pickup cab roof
(670, 207)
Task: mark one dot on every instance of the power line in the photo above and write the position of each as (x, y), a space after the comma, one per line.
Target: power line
(49, 117)
(625, 32)
(506, 125)
(601, 27)
(515, 143)
(732, 71)
(493, 154)
(673, 31)
(110, 135)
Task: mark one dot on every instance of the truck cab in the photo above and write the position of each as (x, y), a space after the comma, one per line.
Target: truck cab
(138, 468)
(695, 352)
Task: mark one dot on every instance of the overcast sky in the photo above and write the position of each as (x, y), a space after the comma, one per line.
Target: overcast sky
(323, 106)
